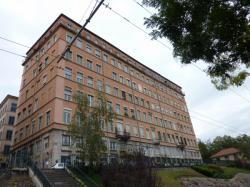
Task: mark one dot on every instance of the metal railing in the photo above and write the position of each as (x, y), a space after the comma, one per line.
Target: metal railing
(40, 175)
(82, 176)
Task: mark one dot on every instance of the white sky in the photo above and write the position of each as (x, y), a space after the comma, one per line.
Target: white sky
(25, 21)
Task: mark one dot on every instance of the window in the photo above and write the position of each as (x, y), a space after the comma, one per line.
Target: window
(105, 57)
(45, 78)
(55, 38)
(40, 121)
(130, 97)
(88, 48)
(114, 75)
(69, 38)
(128, 82)
(125, 111)
(138, 115)
(113, 62)
(46, 142)
(117, 108)
(65, 140)
(141, 131)
(88, 36)
(46, 61)
(67, 116)
(132, 113)
(33, 123)
(150, 118)
(34, 73)
(79, 59)
(90, 82)
(109, 105)
(112, 146)
(121, 79)
(29, 109)
(97, 53)
(135, 131)
(90, 100)
(115, 91)
(159, 135)
(67, 93)
(68, 73)
(13, 107)
(36, 104)
(11, 120)
(99, 85)
(9, 135)
(147, 134)
(108, 89)
(126, 69)
(111, 126)
(79, 43)
(26, 94)
(98, 68)
(47, 118)
(124, 95)
(144, 116)
(79, 77)
(6, 149)
(153, 134)
(89, 64)
(68, 55)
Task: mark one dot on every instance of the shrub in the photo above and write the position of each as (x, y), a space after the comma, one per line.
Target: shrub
(133, 171)
(210, 170)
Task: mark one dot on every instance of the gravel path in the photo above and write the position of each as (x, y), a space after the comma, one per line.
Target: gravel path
(239, 180)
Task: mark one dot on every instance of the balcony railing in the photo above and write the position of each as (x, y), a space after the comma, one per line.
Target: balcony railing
(156, 141)
(181, 145)
(122, 135)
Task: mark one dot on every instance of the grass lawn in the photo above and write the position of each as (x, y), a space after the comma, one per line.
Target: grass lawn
(170, 176)
(231, 171)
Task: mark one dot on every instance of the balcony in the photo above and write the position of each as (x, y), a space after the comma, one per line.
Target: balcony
(181, 145)
(122, 135)
(156, 141)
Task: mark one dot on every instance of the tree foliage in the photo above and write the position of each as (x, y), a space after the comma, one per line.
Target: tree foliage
(241, 142)
(214, 31)
(86, 127)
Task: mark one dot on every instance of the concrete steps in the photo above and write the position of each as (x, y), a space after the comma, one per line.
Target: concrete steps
(60, 178)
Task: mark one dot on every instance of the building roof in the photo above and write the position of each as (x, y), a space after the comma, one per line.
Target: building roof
(6, 98)
(224, 152)
(86, 30)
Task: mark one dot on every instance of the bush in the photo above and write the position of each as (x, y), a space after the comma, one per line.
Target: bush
(242, 164)
(133, 171)
(210, 170)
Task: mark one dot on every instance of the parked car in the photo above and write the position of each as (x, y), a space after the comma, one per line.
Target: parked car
(58, 166)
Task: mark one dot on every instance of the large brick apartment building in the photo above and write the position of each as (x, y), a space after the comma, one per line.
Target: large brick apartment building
(7, 119)
(150, 107)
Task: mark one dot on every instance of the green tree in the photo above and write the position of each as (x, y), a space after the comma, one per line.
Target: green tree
(86, 127)
(204, 150)
(242, 142)
(214, 31)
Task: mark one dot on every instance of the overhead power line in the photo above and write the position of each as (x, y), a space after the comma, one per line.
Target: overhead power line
(220, 126)
(14, 42)
(197, 67)
(73, 41)
(134, 25)
(143, 7)
(216, 121)
(85, 12)
(13, 53)
(80, 31)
